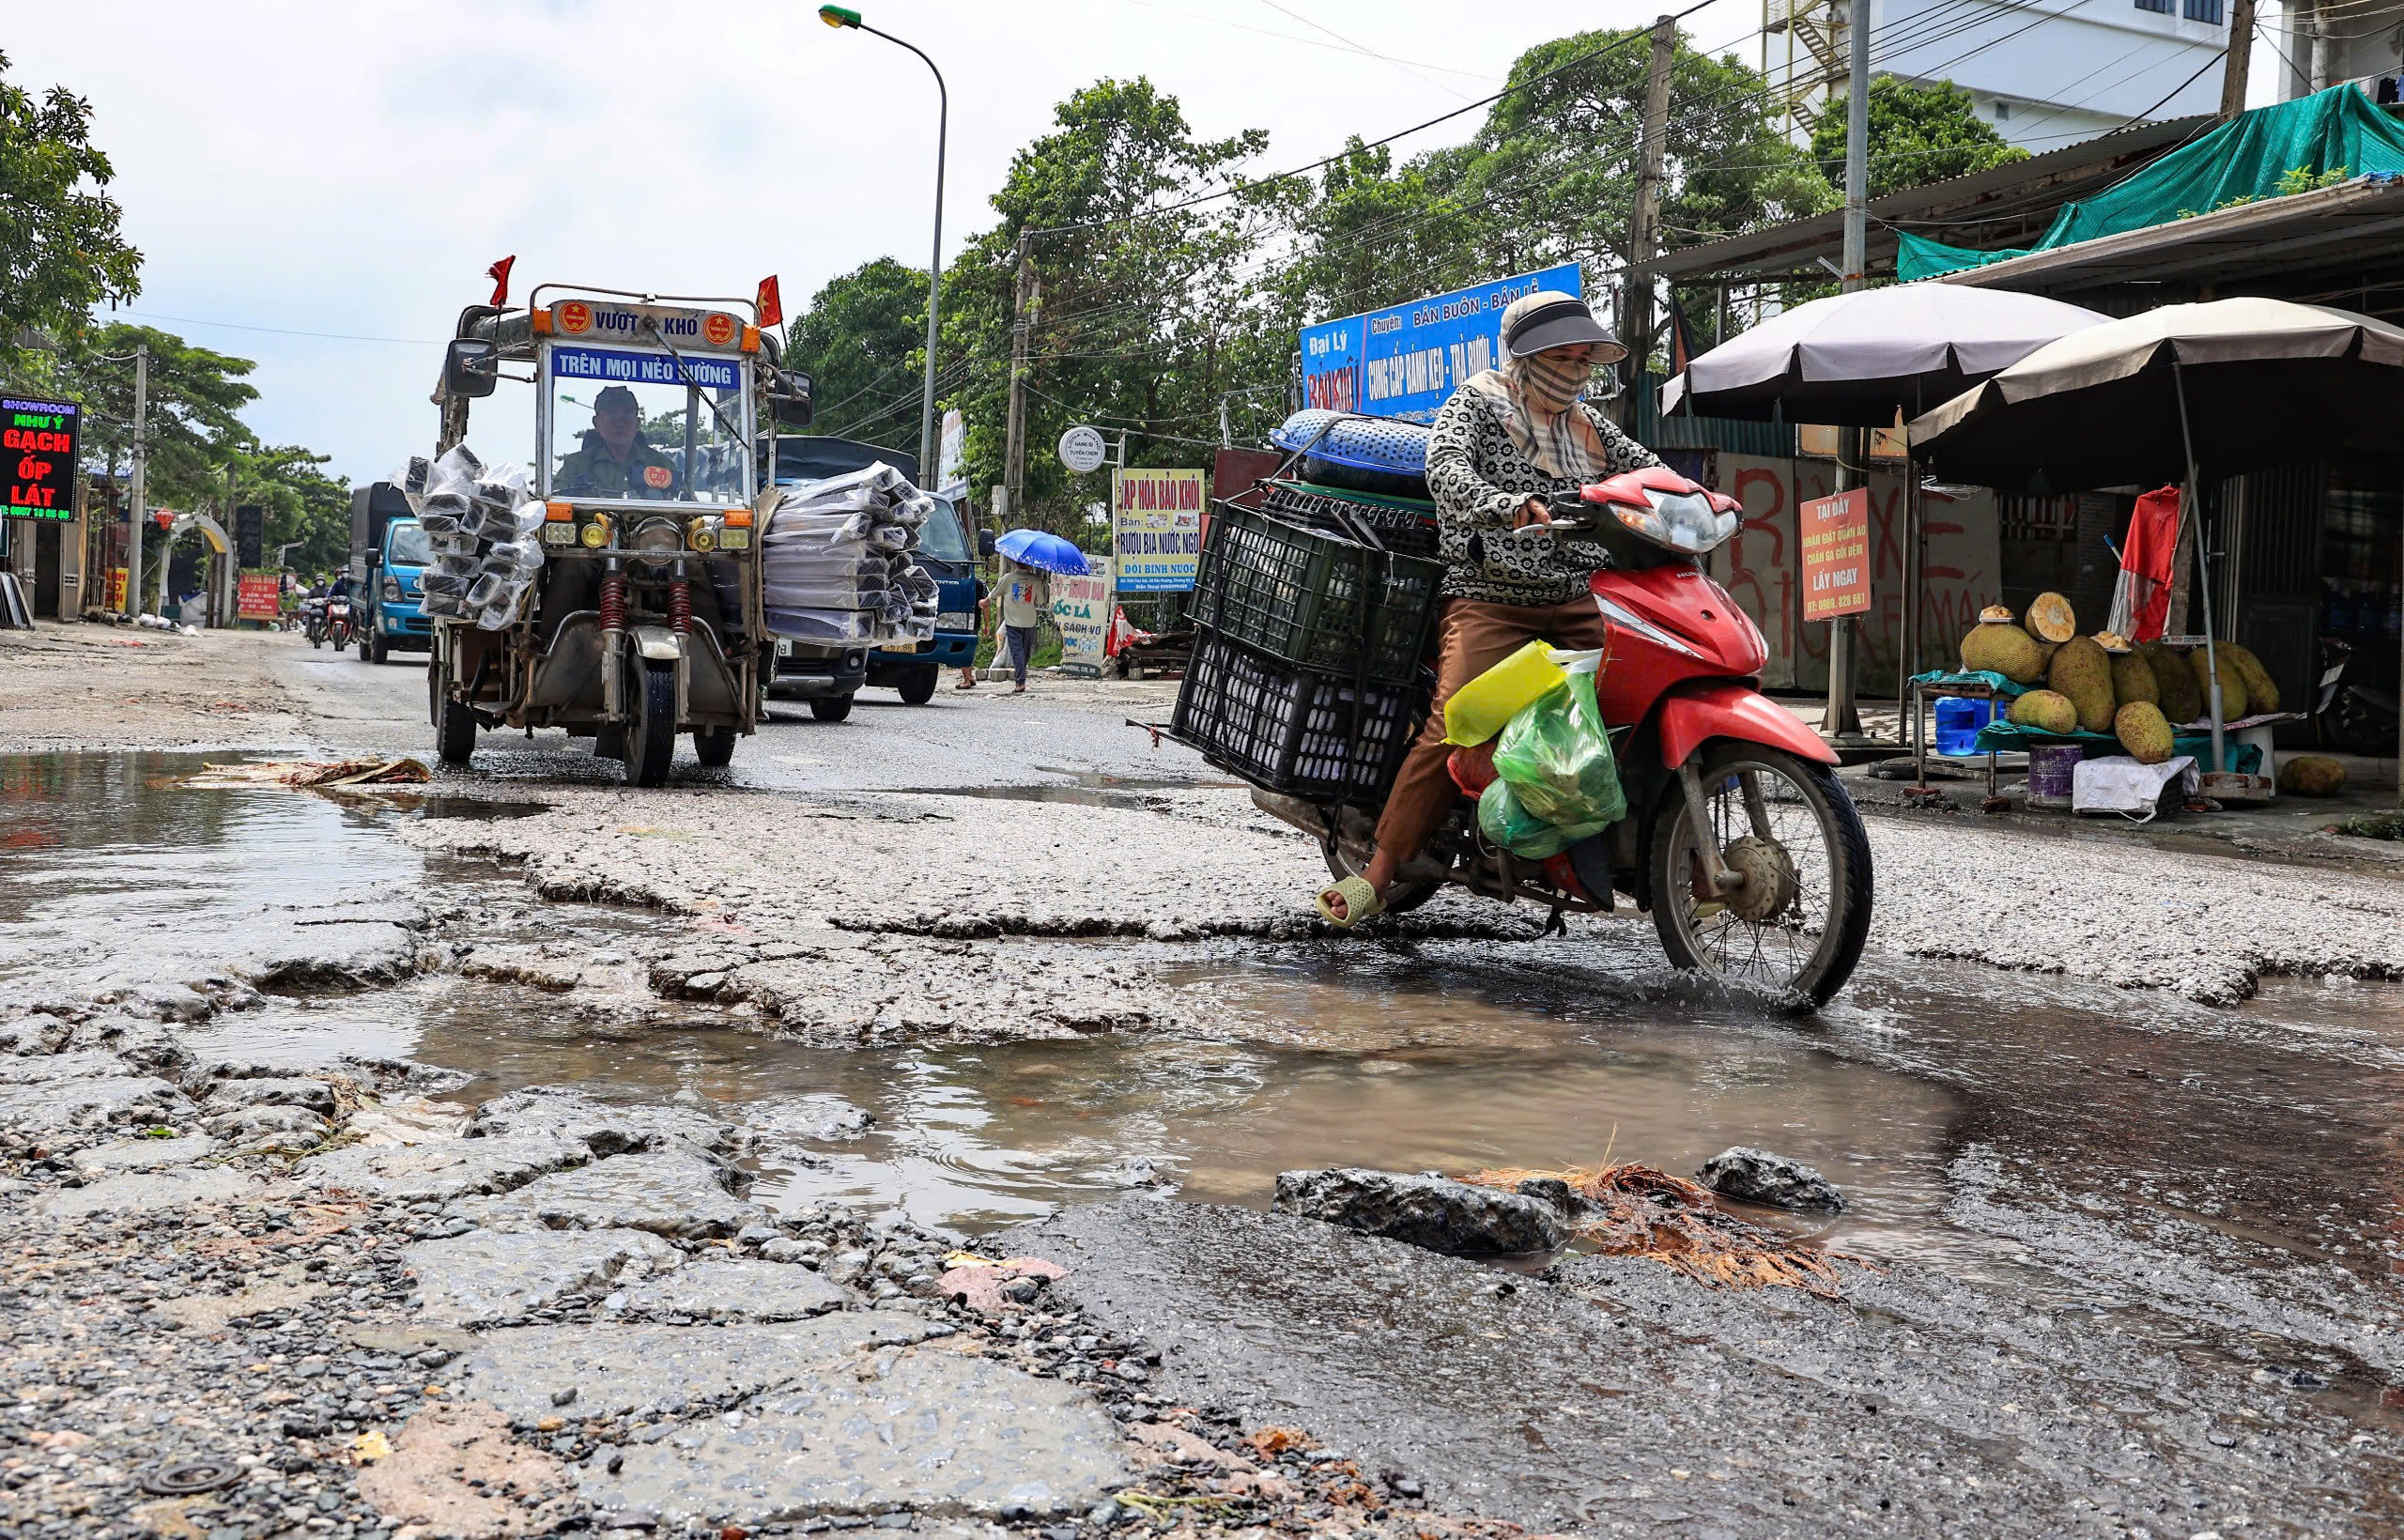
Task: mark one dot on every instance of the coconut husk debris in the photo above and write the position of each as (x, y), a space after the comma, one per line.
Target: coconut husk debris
(315, 773)
(1636, 1210)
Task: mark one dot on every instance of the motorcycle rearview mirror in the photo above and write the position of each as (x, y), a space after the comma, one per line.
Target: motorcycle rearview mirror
(790, 398)
(471, 367)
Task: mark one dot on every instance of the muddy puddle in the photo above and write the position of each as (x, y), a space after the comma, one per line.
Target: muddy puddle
(1438, 1055)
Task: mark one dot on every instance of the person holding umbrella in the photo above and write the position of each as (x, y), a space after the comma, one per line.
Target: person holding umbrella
(1023, 593)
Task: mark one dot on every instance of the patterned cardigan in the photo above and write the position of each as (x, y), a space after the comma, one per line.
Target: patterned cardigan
(1479, 479)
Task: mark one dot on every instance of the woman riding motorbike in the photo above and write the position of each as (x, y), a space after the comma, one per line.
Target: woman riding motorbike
(1508, 441)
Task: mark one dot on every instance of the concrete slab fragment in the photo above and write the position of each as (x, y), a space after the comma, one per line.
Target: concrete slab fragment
(614, 1369)
(669, 1192)
(133, 1192)
(446, 1168)
(92, 1101)
(144, 1154)
(935, 1431)
(758, 1291)
(470, 1279)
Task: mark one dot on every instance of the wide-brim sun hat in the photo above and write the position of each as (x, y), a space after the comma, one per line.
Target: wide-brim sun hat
(1547, 318)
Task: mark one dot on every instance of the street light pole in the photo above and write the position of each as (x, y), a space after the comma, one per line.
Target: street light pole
(839, 16)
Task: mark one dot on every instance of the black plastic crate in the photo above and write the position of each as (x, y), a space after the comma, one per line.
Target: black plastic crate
(1400, 524)
(1297, 595)
(1293, 729)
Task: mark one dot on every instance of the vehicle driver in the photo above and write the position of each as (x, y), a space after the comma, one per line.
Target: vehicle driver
(617, 461)
(1508, 441)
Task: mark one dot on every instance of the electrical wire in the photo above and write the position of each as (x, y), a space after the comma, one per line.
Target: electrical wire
(1358, 48)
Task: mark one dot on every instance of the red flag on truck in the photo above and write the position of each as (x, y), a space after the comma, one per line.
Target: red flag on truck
(770, 307)
(499, 273)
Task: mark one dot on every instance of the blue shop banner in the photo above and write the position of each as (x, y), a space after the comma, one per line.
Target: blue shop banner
(618, 366)
(1407, 362)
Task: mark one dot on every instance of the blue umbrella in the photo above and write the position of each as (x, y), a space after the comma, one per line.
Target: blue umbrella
(1043, 552)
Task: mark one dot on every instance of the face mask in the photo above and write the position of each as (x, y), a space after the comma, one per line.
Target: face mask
(1549, 381)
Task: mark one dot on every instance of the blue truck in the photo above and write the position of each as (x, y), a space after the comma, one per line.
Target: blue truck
(827, 676)
(388, 556)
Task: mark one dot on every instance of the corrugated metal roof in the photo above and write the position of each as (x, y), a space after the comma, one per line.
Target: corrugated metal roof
(2308, 245)
(2003, 205)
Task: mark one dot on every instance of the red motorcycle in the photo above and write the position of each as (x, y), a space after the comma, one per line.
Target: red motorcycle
(1739, 839)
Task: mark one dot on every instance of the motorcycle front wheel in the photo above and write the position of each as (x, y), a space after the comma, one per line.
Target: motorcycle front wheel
(1796, 927)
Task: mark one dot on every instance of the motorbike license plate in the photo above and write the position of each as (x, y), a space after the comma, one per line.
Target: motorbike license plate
(784, 647)
(955, 620)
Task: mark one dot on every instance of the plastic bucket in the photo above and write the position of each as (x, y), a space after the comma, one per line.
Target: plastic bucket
(2049, 769)
(1958, 720)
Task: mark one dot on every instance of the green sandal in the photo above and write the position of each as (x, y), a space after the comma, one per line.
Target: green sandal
(1361, 902)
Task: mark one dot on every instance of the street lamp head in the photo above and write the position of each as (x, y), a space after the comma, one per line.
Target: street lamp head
(838, 15)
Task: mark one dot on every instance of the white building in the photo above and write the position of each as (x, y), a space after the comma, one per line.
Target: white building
(2330, 41)
(2046, 72)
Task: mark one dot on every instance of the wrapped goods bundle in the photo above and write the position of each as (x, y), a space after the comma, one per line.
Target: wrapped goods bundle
(839, 560)
(484, 524)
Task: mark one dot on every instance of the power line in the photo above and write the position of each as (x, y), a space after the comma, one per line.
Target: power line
(288, 331)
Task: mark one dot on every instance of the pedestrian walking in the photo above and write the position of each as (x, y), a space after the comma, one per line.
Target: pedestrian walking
(968, 670)
(1026, 594)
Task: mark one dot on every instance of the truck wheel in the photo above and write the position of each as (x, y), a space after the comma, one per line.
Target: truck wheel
(651, 735)
(831, 708)
(455, 725)
(365, 657)
(714, 745)
(378, 650)
(918, 687)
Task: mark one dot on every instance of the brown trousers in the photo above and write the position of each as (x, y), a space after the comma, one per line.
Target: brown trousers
(1473, 636)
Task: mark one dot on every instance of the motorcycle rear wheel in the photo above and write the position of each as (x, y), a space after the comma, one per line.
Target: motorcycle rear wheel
(1806, 949)
(651, 727)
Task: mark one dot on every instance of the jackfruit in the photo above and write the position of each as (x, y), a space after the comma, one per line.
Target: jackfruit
(2006, 650)
(2133, 680)
(2179, 698)
(2082, 671)
(2051, 618)
(2143, 731)
(2261, 692)
(2232, 684)
(2312, 774)
(2047, 712)
(2045, 656)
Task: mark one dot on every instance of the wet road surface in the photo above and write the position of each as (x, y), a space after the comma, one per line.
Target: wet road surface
(2159, 1235)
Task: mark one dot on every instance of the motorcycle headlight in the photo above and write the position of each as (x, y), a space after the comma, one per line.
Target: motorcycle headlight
(596, 533)
(702, 534)
(1685, 522)
(656, 537)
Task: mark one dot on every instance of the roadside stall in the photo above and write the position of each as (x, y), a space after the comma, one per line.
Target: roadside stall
(2186, 395)
(1865, 359)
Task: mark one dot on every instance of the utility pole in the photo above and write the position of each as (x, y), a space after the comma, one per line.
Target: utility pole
(1843, 719)
(1644, 215)
(141, 509)
(1005, 508)
(2241, 50)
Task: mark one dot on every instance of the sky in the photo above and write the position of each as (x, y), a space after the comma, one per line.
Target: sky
(349, 171)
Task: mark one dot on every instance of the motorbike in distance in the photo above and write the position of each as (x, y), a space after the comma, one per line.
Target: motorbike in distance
(1750, 857)
(332, 621)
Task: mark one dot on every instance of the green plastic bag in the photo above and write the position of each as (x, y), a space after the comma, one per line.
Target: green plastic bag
(1556, 754)
(1504, 822)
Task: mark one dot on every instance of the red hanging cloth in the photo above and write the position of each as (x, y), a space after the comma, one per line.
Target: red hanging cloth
(2148, 561)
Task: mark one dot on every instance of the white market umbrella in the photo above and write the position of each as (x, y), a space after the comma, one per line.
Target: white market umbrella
(2186, 393)
(1855, 360)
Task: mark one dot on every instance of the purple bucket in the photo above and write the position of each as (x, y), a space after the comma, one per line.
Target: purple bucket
(2050, 768)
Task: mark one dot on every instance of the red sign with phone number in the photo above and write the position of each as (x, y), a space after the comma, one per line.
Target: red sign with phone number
(1835, 537)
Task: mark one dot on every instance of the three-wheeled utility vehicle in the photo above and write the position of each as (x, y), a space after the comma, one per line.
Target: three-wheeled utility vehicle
(654, 418)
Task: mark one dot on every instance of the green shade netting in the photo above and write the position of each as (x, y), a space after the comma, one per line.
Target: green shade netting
(2337, 130)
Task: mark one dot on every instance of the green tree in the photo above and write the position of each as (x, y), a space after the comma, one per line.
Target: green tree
(303, 504)
(60, 249)
(1147, 314)
(195, 398)
(1917, 134)
(863, 342)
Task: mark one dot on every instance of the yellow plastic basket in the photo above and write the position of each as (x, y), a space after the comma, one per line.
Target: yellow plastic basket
(1483, 706)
